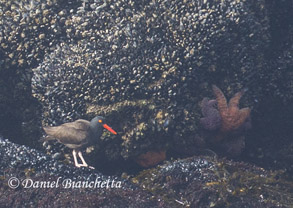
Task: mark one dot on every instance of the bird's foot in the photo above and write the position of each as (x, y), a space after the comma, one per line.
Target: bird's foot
(78, 165)
(82, 165)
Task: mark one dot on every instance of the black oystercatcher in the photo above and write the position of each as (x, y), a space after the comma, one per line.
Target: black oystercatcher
(77, 135)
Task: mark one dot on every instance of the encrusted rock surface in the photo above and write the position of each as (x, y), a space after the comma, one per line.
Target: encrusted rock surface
(145, 66)
(192, 182)
(211, 182)
(24, 163)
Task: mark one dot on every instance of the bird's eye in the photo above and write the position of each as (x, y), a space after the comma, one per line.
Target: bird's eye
(100, 121)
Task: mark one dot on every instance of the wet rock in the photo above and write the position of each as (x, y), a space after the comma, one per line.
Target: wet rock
(39, 180)
(211, 182)
(196, 181)
(144, 67)
(270, 140)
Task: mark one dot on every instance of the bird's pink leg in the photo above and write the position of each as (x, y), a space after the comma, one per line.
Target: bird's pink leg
(84, 164)
(75, 159)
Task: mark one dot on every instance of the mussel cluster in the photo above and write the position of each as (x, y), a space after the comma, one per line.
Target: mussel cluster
(101, 53)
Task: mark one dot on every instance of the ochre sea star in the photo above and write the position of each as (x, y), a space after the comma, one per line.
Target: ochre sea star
(211, 119)
(232, 116)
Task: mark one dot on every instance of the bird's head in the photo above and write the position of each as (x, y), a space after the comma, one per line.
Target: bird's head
(98, 122)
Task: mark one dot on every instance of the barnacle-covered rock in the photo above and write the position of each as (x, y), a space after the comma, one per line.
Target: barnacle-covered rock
(163, 52)
(147, 65)
(28, 30)
(196, 181)
(211, 182)
(27, 174)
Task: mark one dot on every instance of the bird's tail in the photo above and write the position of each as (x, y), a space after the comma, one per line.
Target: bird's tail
(49, 131)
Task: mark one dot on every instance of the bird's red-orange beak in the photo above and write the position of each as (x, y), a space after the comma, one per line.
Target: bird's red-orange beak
(109, 129)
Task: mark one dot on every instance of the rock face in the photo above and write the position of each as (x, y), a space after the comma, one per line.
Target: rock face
(195, 182)
(75, 187)
(147, 66)
(207, 182)
(144, 66)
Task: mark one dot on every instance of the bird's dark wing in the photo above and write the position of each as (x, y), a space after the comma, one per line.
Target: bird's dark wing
(75, 132)
(79, 124)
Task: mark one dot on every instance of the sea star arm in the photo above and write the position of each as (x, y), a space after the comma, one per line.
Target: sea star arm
(234, 101)
(243, 114)
(221, 99)
(204, 106)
